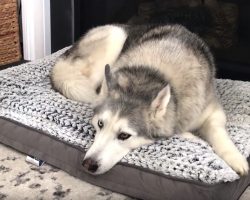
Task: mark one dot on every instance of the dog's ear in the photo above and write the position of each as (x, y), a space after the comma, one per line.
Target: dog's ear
(108, 77)
(160, 102)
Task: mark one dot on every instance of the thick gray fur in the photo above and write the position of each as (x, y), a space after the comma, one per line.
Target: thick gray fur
(158, 81)
(145, 82)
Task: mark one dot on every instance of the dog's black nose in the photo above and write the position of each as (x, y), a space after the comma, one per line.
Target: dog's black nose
(90, 165)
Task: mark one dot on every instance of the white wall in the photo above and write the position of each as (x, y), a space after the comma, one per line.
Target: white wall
(36, 28)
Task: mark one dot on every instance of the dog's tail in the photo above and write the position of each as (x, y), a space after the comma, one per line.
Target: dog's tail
(70, 81)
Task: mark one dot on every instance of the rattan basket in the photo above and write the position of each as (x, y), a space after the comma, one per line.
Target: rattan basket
(9, 32)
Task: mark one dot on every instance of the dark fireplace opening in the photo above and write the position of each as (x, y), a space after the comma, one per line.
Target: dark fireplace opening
(223, 24)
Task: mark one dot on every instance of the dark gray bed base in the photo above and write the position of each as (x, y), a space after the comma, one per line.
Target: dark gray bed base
(125, 179)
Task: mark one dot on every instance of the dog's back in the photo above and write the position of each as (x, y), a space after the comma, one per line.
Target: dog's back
(176, 52)
(179, 55)
(183, 59)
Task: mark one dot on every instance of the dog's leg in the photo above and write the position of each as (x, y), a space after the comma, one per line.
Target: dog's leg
(78, 73)
(189, 136)
(214, 132)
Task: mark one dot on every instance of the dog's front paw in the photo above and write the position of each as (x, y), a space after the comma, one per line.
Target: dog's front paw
(238, 163)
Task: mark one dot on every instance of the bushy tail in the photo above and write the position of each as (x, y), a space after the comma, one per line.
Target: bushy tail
(70, 82)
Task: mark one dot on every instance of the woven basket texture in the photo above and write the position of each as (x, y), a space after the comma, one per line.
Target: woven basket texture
(9, 32)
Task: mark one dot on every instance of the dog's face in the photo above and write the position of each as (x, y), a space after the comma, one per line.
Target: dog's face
(121, 125)
(115, 136)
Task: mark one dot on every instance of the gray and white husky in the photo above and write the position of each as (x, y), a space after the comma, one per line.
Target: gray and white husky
(145, 81)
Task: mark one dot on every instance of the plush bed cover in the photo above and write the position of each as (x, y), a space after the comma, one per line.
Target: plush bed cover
(27, 97)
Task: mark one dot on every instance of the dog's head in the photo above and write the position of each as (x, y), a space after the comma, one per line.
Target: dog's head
(123, 123)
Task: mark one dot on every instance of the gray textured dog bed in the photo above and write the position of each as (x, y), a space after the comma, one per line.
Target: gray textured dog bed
(27, 97)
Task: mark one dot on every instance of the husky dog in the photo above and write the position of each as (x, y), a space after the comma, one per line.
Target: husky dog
(146, 81)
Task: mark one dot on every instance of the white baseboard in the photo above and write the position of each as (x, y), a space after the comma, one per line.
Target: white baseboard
(36, 28)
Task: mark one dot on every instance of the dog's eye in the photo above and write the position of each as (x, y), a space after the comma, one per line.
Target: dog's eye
(123, 136)
(100, 123)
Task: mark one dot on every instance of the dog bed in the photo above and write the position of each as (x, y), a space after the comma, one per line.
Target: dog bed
(38, 121)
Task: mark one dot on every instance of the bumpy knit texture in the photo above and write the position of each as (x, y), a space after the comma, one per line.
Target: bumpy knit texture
(26, 96)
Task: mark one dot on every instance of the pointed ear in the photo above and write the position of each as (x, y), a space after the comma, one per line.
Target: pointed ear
(160, 102)
(108, 77)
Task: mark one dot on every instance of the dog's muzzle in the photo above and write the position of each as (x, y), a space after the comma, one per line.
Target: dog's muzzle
(90, 165)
